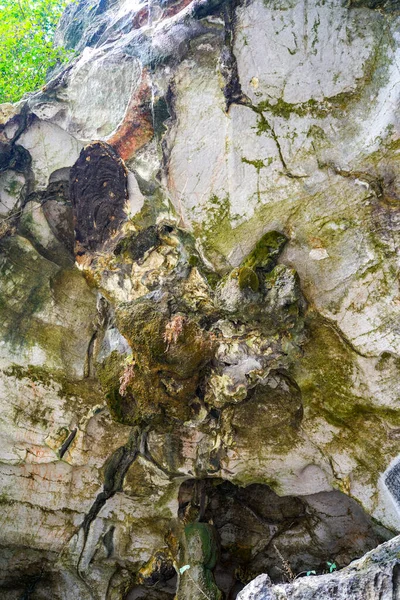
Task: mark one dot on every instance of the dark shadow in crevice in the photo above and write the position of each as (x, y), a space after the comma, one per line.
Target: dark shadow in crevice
(162, 590)
(261, 532)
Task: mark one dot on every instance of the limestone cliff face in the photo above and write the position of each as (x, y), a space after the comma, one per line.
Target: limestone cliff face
(199, 299)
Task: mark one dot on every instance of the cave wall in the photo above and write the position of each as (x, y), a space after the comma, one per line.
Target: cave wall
(199, 223)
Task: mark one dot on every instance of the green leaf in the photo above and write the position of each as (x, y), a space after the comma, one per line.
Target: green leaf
(27, 30)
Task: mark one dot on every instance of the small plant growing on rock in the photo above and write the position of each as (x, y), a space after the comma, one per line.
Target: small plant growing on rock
(173, 330)
(286, 568)
(331, 566)
(127, 376)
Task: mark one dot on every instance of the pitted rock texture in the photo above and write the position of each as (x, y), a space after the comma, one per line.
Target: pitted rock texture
(98, 192)
(199, 300)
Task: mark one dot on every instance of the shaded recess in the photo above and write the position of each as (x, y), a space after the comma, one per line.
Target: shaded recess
(258, 530)
(53, 204)
(392, 481)
(385, 5)
(163, 590)
(252, 530)
(12, 155)
(26, 573)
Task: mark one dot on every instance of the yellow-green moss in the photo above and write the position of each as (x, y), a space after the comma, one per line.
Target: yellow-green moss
(30, 283)
(266, 251)
(219, 235)
(248, 278)
(166, 373)
(257, 164)
(144, 323)
(122, 408)
(266, 424)
(326, 373)
(215, 229)
(47, 377)
(375, 73)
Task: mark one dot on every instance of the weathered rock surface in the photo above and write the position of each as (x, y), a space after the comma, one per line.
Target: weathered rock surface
(199, 301)
(376, 575)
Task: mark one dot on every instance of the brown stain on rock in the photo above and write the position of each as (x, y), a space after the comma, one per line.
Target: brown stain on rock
(136, 128)
(174, 9)
(143, 16)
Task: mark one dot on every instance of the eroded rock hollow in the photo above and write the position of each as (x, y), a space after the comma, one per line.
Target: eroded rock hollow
(199, 306)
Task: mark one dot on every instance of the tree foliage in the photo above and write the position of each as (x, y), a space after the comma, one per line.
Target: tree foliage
(26, 45)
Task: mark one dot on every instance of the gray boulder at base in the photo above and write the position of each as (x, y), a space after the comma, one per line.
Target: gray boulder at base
(374, 576)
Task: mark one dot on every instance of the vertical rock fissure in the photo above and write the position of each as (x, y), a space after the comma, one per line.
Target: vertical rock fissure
(114, 475)
(228, 64)
(67, 443)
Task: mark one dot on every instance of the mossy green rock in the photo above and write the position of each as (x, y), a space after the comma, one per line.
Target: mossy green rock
(37, 307)
(122, 408)
(167, 374)
(144, 325)
(272, 415)
(200, 552)
(136, 245)
(201, 544)
(248, 279)
(225, 351)
(266, 251)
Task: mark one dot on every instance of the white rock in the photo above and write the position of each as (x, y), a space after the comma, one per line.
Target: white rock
(11, 186)
(318, 254)
(51, 148)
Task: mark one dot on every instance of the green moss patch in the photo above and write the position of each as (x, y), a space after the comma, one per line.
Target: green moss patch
(247, 278)
(122, 408)
(87, 389)
(266, 251)
(167, 370)
(326, 373)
